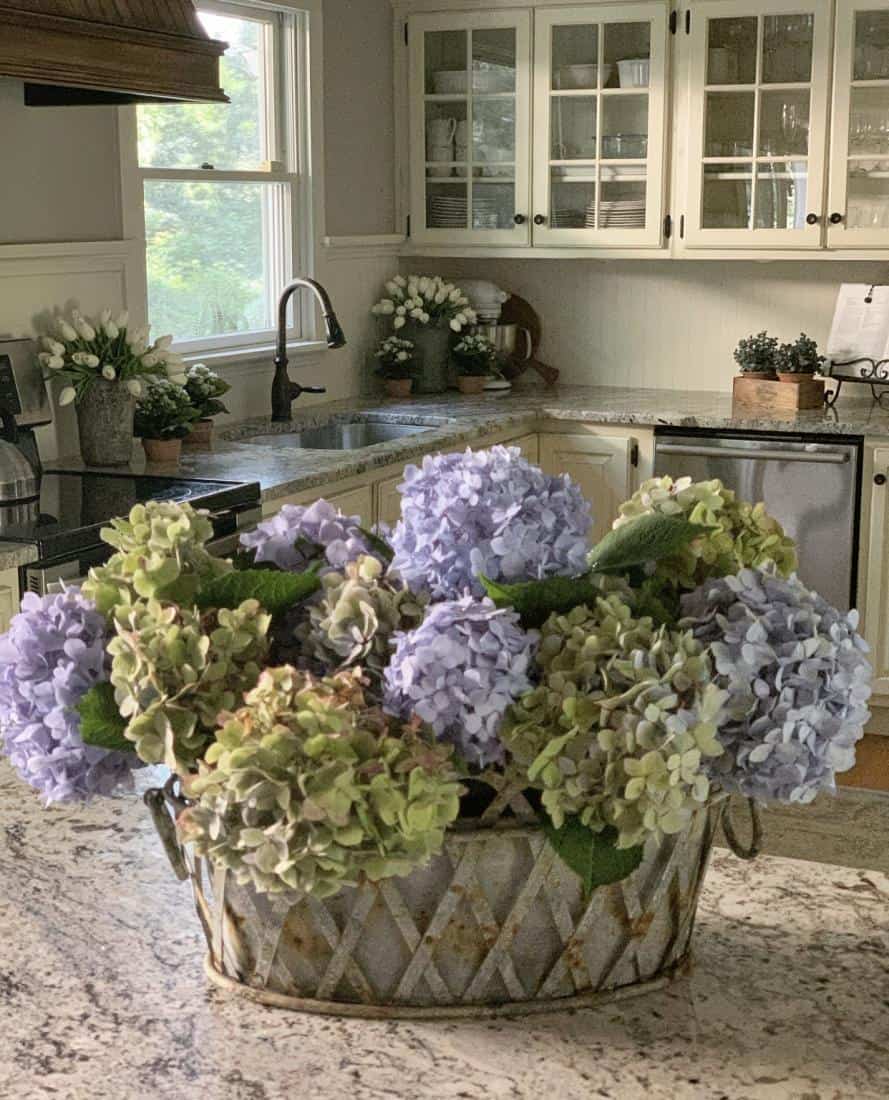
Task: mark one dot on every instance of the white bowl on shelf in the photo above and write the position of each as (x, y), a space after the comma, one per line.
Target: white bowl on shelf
(583, 76)
(449, 82)
(634, 72)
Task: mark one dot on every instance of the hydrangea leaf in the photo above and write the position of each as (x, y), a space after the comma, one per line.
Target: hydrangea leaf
(535, 601)
(594, 857)
(275, 591)
(101, 723)
(377, 545)
(647, 538)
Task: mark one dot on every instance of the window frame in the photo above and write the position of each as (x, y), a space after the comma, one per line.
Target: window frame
(294, 123)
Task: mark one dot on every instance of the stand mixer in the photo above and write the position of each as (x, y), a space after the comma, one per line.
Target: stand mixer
(512, 326)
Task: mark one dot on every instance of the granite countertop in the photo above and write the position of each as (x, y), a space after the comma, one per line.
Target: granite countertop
(102, 993)
(452, 419)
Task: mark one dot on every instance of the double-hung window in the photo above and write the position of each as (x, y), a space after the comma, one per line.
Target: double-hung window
(225, 188)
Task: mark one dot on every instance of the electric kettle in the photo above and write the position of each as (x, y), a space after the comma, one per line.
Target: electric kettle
(18, 481)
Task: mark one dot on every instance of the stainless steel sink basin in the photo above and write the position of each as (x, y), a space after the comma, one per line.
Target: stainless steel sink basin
(340, 436)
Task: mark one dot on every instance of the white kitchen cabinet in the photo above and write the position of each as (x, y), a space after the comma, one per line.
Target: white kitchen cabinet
(389, 500)
(601, 462)
(9, 597)
(756, 131)
(859, 166)
(599, 100)
(598, 152)
(470, 127)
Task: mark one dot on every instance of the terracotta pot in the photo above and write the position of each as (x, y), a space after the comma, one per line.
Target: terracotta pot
(398, 387)
(162, 450)
(797, 378)
(471, 383)
(201, 433)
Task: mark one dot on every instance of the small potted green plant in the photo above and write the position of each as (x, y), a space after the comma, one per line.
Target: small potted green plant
(798, 361)
(475, 357)
(396, 365)
(164, 416)
(757, 355)
(204, 387)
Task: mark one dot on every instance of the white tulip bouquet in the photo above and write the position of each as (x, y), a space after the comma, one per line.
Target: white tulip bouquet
(80, 351)
(426, 300)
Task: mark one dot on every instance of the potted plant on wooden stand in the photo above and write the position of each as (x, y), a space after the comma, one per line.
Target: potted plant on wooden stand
(798, 362)
(103, 365)
(756, 355)
(164, 416)
(396, 366)
(204, 387)
(474, 357)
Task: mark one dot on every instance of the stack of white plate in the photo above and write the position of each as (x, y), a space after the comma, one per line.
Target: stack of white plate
(617, 214)
(451, 212)
(565, 218)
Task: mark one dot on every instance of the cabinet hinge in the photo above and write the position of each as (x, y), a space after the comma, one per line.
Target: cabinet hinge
(668, 227)
(405, 34)
(688, 22)
(674, 21)
(634, 454)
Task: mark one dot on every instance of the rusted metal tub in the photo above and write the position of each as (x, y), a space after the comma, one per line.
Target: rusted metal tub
(494, 925)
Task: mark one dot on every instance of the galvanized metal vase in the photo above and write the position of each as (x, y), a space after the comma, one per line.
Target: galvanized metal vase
(105, 422)
(494, 925)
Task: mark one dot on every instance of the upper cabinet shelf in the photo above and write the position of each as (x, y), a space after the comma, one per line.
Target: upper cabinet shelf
(757, 126)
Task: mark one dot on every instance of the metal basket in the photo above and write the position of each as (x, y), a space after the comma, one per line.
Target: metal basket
(494, 925)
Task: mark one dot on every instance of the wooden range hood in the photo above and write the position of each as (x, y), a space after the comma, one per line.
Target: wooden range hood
(109, 51)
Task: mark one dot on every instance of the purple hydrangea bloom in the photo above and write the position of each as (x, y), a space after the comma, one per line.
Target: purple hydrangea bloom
(297, 534)
(798, 683)
(488, 512)
(459, 671)
(52, 655)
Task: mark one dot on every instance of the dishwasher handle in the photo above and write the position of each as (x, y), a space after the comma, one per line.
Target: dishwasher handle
(831, 457)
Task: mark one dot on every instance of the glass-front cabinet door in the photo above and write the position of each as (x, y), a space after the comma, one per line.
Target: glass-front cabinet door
(599, 151)
(470, 127)
(858, 207)
(757, 132)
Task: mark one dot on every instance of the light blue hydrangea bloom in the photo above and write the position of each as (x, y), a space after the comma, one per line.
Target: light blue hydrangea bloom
(459, 671)
(52, 655)
(488, 512)
(798, 682)
(298, 534)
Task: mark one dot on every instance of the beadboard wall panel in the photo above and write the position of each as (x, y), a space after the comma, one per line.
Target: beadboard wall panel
(663, 323)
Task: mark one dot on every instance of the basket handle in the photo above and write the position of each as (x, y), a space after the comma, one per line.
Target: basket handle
(162, 803)
(753, 849)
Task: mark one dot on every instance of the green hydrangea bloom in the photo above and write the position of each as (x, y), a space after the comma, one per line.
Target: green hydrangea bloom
(617, 729)
(356, 614)
(174, 669)
(308, 789)
(743, 535)
(160, 555)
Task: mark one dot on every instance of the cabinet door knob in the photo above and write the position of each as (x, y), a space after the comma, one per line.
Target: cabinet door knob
(539, 219)
(520, 219)
(835, 218)
(812, 219)
(879, 479)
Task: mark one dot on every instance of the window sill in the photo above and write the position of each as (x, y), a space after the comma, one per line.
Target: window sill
(223, 357)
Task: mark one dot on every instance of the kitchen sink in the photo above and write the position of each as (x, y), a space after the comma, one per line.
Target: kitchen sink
(340, 436)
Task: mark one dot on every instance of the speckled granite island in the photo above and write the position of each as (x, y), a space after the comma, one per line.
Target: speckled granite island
(102, 995)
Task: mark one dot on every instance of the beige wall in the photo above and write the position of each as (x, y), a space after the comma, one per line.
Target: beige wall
(664, 323)
(60, 176)
(359, 117)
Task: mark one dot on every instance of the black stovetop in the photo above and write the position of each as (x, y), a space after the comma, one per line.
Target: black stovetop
(74, 506)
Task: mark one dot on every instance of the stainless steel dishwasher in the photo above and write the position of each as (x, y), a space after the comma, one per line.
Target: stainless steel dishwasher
(810, 484)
